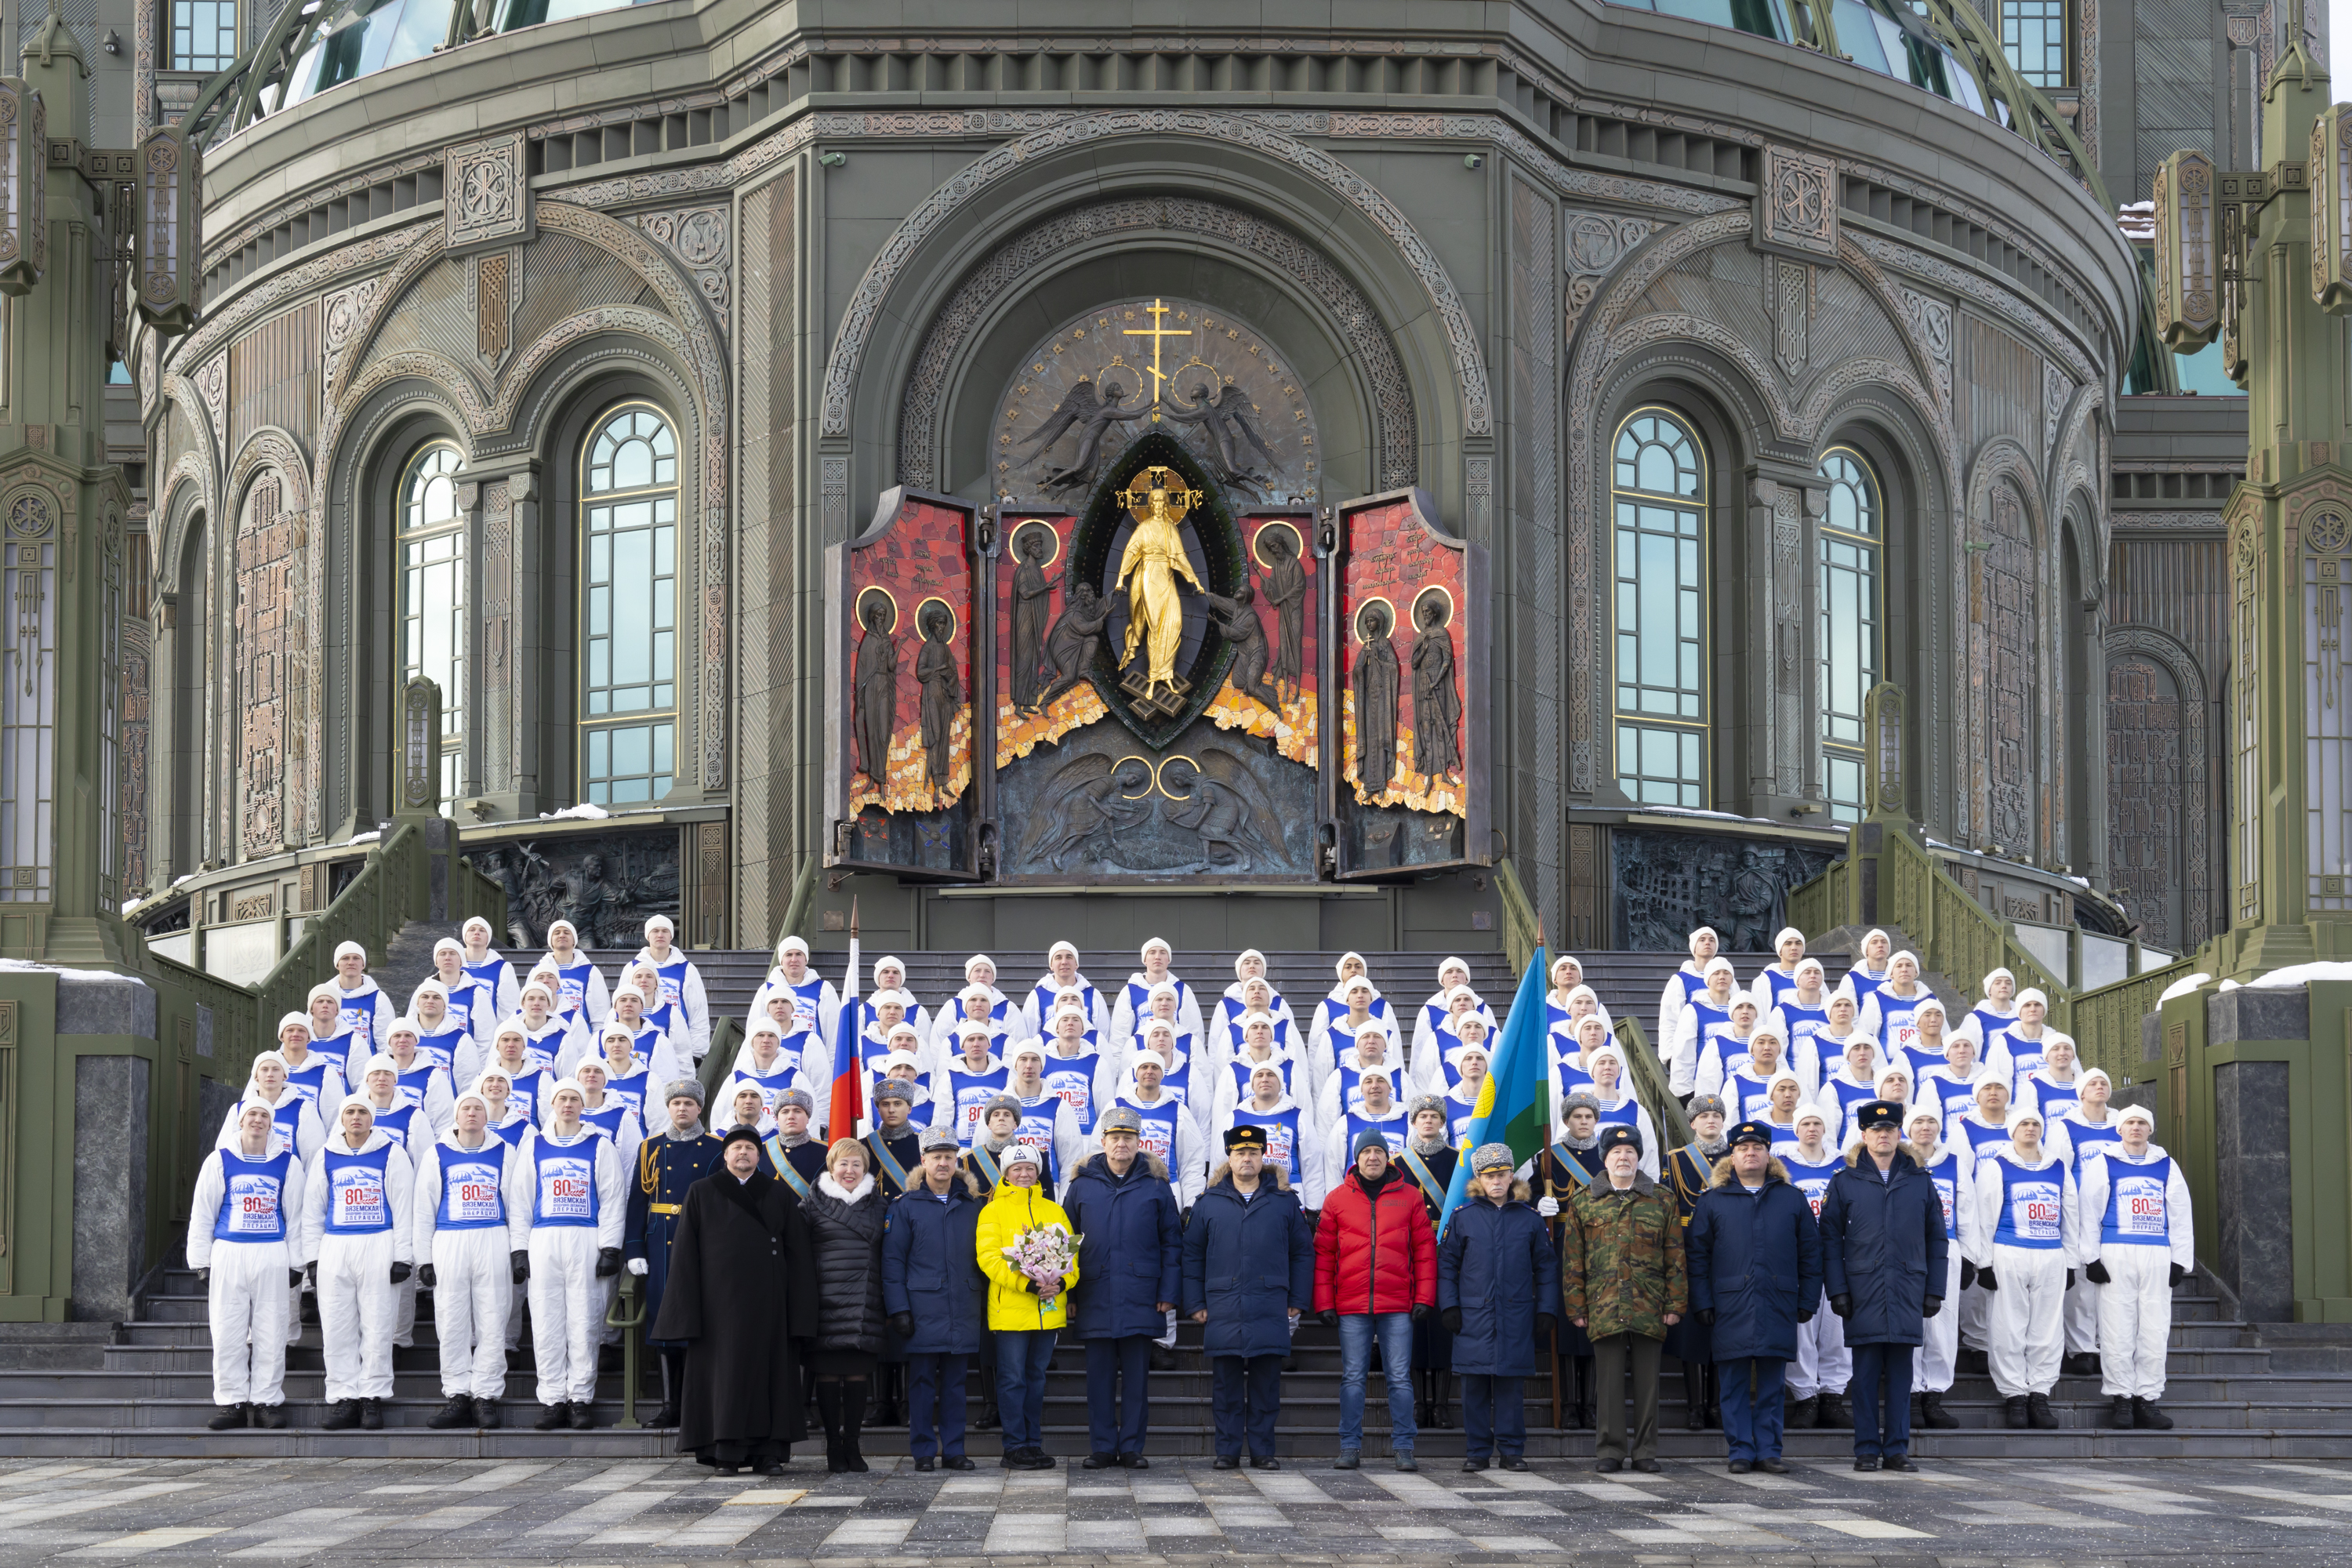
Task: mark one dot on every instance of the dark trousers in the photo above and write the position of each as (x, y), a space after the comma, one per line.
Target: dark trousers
(1246, 1396)
(935, 1387)
(1871, 1363)
(1495, 1416)
(1119, 1403)
(1613, 1357)
(1751, 1411)
(1023, 1356)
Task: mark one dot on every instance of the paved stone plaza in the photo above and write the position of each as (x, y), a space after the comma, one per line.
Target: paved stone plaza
(646, 1513)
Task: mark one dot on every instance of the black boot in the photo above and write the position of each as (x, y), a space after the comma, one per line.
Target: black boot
(269, 1417)
(458, 1412)
(486, 1413)
(2015, 1413)
(553, 1418)
(828, 1404)
(1694, 1396)
(2037, 1409)
(341, 1417)
(853, 1417)
(2147, 1416)
(2119, 1412)
(1932, 1412)
(1835, 1412)
(1802, 1416)
(229, 1417)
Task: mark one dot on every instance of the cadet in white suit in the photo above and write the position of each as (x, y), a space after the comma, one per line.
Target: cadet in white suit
(2139, 1245)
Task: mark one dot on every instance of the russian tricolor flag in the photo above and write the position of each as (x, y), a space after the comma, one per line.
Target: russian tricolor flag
(845, 1113)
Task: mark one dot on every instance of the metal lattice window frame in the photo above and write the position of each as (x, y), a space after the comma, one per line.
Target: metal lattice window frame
(431, 553)
(629, 541)
(2034, 35)
(1851, 625)
(203, 35)
(1659, 547)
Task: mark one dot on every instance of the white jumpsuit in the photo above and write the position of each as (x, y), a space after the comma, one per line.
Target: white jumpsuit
(579, 1202)
(2028, 1220)
(1823, 1364)
(473, 1213)
(2135, 1221)
(356, 1224)
(1933, 1363)
(248, 1246)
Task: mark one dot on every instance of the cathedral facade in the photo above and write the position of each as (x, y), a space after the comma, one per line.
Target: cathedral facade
(819, 455)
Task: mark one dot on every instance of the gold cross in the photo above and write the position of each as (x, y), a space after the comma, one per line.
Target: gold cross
(1155, 333)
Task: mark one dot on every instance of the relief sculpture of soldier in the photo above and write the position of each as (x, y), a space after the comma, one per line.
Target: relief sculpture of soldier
(935, 668)
(1436, 702)
(1376, 701)
(1092, 416)
(1237, 618)
(875, 697)
(1285, 590)
(1079, 637)
(1032, 598)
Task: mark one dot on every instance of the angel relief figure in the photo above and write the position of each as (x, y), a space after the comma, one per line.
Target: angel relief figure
(1226, 806)
(1225, 416)
(1084, 808)
(1091, 415)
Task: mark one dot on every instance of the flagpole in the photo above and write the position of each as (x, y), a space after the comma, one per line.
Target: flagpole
(857, 1020)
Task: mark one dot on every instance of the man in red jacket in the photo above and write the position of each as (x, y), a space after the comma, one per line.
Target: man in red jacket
(1375, 1275)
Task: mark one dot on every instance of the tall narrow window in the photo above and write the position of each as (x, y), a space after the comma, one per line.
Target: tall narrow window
(2033, 35)
(203, 35)
(628, 710)
(1658, 491)
(1850, 659)
(433, 593)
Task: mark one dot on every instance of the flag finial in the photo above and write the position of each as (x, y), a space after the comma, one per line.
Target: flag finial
(853, 914)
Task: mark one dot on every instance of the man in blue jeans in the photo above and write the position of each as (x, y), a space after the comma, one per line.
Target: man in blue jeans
(1375, 1274)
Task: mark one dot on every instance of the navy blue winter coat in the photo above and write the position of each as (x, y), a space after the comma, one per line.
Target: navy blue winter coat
(1130, 1256)
(1247, 1265)
(1756, 1261)
(930, 1268)
(1882, 1242)
(1496, 1263)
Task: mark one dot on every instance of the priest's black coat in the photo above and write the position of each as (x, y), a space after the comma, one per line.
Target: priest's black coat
(742, 1294)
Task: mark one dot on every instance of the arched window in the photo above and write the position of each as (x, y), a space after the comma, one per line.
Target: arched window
(433, 593)
(1851, 536)
(1658, 488)
(629, 634)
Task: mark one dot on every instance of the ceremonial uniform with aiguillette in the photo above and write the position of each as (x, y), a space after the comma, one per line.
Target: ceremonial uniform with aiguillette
(667, 1164)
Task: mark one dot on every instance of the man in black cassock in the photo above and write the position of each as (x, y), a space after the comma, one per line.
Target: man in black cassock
(742, 1295)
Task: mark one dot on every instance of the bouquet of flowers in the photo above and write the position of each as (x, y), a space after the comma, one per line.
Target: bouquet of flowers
(1045, 1254)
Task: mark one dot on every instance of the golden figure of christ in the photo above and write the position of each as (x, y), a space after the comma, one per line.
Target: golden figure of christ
(1148, 571)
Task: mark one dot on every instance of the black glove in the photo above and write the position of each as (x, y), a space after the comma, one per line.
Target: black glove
(2178, 1274)
(521, 1261)
(1985, 1279)
(1806, 1316)
(608, 1262)
(425, 1275)
(903, 1324)
(1420, 1310)
(1842, 1305)
(296, 1279)
(1931, 1306)
(1967, 1273)
(400, 1273)
(1546, 1324)
(2069, 1279)
(2095, 1272)
(1331, 1318)
(1452, 1319)
(1028, 1285)
(1706, 1315)
(205, 1278)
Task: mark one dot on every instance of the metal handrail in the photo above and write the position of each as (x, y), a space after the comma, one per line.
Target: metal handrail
(1952, 933)
(627, 1313)
(2106, 1023)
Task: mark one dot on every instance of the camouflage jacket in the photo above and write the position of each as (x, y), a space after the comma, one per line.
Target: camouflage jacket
(1621, 1259)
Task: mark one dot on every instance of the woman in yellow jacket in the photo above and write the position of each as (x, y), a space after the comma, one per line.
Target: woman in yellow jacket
(1023, 1321)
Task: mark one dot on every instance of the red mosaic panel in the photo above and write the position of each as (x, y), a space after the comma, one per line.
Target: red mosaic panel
(1393, 557)
(919, 558)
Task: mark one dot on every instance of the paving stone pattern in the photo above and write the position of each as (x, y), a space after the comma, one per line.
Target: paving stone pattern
(302, 1511)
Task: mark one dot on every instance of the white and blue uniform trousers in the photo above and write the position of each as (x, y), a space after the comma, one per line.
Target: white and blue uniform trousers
(578, 1207)
(467, 1205)
(356, 1226)
(2141, 1210)
(247, 1250)
(2029, 1214)
(1824, 1365)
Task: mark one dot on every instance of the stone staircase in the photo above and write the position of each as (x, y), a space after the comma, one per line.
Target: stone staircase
(145, 1392)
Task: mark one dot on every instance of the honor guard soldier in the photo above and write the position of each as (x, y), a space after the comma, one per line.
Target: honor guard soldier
(895, 1141)
(1687, 1172)
(797, 1156)
(672, 1160)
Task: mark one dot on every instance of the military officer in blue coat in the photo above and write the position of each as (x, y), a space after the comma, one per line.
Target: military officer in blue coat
(1882, 1260)
(936, 1296)
(1755, 1259)
(1129, 1256)
(1249, 1271)
(668, 1163)
(1497, 1289)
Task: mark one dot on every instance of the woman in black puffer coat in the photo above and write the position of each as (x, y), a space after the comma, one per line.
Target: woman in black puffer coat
(845, 1218)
